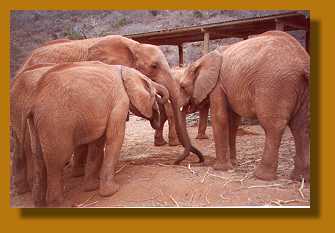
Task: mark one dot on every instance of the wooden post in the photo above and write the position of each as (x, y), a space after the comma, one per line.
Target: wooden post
(206, 43)
(181, 55)
(280, 26)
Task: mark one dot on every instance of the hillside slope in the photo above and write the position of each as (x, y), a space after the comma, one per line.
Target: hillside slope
(30, 29)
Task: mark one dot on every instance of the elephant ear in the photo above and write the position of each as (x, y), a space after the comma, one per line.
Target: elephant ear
(140, 91)
(112, 50)
(207, 74)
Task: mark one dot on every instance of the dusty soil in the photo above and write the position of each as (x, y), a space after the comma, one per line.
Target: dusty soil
(148, 178)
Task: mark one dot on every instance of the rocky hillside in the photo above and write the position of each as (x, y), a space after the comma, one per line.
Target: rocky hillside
(29, 29)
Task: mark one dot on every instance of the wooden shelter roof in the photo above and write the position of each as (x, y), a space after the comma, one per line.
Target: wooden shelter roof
(235, 28)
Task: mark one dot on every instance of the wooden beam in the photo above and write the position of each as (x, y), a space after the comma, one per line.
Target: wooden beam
(291, 17)
(299, 23)
(181, 55)
(236, 28)
(206, 43)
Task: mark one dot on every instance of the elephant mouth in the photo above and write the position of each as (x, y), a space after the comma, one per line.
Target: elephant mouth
(189, 108)
(136, 112)
(154, 119)
(195, 103)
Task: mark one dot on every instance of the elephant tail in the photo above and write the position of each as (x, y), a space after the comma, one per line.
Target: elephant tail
(39, 169)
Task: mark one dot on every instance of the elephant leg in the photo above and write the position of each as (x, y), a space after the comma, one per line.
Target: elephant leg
(173, 137)
(220, 124)
(55, 157)
(300, 131)
(19, 170)
(203, 118)
(39, 172)
(79, 160)
(51, 162)
(94, 160)
(234, 122)
(274, 129)
(159, 139)
(55, 190)
(114, 138)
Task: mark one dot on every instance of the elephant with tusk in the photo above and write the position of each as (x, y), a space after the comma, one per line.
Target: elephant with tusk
(116, 50)
(188, 108)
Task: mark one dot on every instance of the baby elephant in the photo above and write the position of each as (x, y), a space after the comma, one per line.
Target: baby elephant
(84, 103)
(188, 108)
(266, 77)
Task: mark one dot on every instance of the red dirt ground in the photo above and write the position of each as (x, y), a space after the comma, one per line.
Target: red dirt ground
(148, 178)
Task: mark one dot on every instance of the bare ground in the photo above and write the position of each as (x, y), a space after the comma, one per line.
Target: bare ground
(148, 178)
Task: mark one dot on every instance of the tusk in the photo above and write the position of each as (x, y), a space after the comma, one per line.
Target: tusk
(169, 101)
(181, 108)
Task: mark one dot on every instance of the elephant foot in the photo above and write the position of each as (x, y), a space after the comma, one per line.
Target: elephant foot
(40, 204)
(78, 171)
(108, 189)
(91, 185)
(202, 136)
(264, 173)
(56, 201)
(222, 166)
(160, 142)
(174, 142)
(22, 187)
(298, 174)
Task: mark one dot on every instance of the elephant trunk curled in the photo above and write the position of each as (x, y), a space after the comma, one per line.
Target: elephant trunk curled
(162, 91)
(181, 124)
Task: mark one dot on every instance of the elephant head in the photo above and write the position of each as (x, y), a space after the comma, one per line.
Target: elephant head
(200, 77)
(149, 60)
(144, 95)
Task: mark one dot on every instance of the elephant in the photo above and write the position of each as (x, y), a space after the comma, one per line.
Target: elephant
(73, 104)
(21, 93)
(189, 108)
(112, 49)
(265, 77)
(118, 50)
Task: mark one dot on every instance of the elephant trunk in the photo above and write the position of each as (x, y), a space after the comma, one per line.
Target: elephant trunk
(162, 91)
(181, 125)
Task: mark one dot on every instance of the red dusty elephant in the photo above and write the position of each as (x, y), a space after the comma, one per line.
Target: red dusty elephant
(73, 104)
(265, 77)
(115, 50)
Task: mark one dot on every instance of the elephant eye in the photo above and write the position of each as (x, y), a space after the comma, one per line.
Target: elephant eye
(154, 65)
